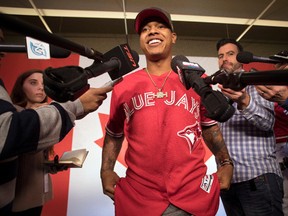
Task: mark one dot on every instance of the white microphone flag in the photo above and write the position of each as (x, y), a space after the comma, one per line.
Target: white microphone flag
(37, 49)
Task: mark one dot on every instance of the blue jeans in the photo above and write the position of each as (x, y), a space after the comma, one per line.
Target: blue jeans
(259, 196)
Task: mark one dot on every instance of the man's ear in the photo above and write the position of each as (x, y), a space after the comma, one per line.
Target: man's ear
(174, 37)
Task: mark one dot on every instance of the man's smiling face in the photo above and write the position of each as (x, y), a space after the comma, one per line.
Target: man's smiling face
(156, 40)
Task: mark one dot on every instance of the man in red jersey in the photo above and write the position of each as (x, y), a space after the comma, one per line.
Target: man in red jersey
(165, 127)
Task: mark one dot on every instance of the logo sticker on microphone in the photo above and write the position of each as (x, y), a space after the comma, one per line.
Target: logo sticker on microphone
(129, 55)
(37, 49)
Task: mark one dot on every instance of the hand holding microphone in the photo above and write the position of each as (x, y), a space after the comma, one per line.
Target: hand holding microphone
(93, 98)
(70, 82)
(239, 80)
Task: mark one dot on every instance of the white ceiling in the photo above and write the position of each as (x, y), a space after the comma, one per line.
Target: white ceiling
(257, 20)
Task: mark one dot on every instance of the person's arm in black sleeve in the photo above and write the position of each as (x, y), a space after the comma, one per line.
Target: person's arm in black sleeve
(31, 130)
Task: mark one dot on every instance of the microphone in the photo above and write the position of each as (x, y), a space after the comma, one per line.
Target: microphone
(282, 56)
(216, 104)
(55, 51)
(117, 62)
(70, 82)
(27, 29)
(247, 57)
(180, 64)
(239, 80)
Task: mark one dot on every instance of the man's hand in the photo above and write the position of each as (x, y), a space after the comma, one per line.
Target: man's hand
(277, 94)
(109, 180)
(93, 98)
(241, 97)
(225, 174)
(273, 93)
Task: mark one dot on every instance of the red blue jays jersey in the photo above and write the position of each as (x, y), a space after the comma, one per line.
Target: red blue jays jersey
(165, 154)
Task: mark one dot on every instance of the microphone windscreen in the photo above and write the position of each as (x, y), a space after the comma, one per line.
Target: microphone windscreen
(128, 60)
(245, 57)
(175, 61)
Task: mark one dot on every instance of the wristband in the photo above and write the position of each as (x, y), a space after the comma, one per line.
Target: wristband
(226, 162)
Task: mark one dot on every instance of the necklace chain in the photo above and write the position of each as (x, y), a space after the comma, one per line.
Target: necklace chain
(159, 94)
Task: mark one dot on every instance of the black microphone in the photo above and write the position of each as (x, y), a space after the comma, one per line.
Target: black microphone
(216, 104)
(70, 82)
(27, 29)
(180, 64)
(55, 51)
(248, 57)
(117, 62)
(239, 80)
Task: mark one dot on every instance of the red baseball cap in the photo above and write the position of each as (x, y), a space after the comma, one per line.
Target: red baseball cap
(150, 14)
